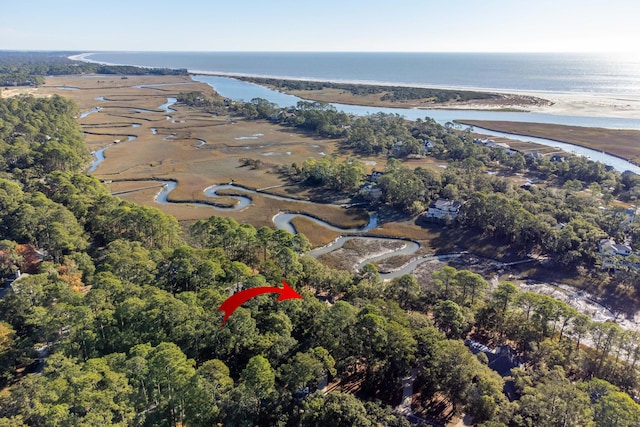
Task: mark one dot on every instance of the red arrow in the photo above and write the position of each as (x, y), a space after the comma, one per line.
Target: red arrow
(239, 298)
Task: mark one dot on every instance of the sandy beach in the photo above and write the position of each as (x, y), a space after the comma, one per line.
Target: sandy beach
(578, 104)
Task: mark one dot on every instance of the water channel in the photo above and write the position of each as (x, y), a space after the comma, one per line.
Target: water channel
(99, 154)
(282, 220)
(244, 91)
(86, 113)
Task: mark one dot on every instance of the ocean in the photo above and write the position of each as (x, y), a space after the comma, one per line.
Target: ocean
(538, 72)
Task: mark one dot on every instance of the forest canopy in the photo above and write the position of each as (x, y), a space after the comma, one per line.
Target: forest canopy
(116, 321)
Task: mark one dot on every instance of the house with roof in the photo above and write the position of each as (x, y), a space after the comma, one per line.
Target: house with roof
(502, 360)
(427, 145)
(612, 254)
(490, 143)
(630, 215)
(441, 210)
(375, 175)
(609, 247)
(28, 258)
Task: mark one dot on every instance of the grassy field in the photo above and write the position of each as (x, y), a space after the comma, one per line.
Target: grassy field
(147, 144)
(621, 143)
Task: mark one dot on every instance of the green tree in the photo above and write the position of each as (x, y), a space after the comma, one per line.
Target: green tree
(448, 316)
(7, 352)
(616, 409)
(304, 368)
(169, 375)
(258, 377)
(471, 284)
(402, 188)
(71, 393)
(556, 401)
(129, 261)
(456, 373)
(405, 290)
(445, 279)
(336, 409)
(335, 330)
(402, 349)
(208, 387)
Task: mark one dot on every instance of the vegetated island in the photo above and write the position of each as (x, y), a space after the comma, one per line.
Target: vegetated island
(400, 96)
(622, 143)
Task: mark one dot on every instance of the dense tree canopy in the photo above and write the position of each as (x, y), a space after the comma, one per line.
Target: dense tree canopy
(118, 322)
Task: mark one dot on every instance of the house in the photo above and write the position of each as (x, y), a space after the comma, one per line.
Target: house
(490, 143)
(558, 158)
(611, 253)
(441, 210)
(426, 148)
(609, 247)
(237, 287)
(282, 115)
(630, 215)
(14, 276)
(502, 360)
(428, 145)
(375, 175)
(29, 258)
(502, 145)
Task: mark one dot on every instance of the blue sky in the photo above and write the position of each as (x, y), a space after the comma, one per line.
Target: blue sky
(327, 25)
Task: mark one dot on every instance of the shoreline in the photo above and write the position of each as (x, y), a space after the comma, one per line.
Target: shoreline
(584, 104)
